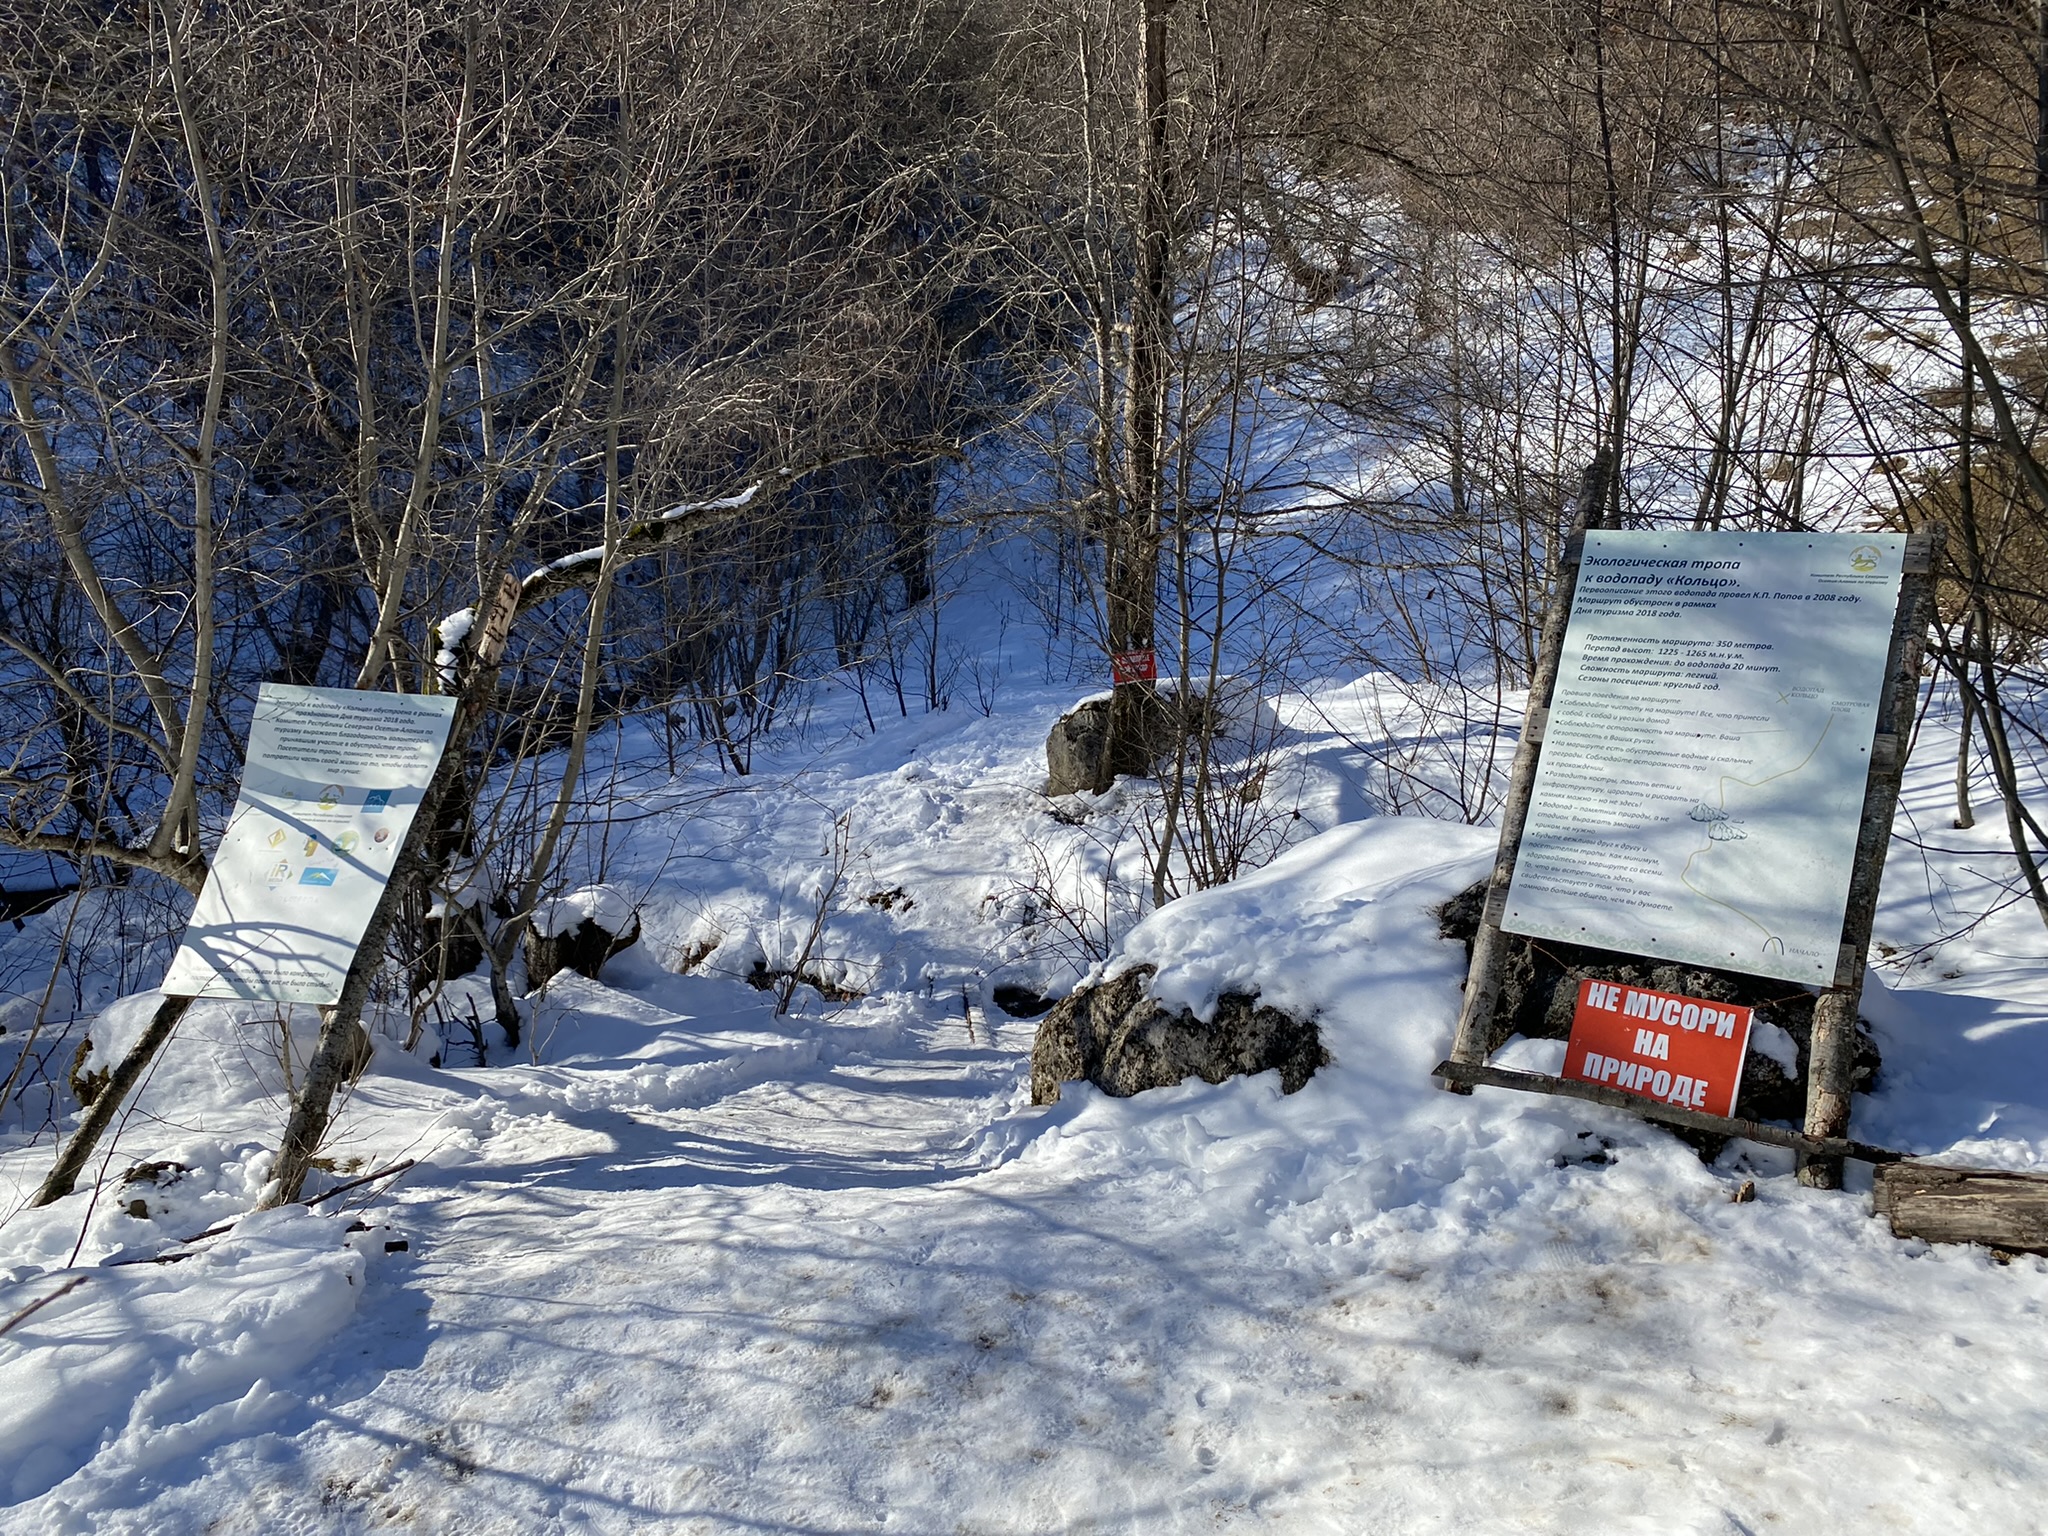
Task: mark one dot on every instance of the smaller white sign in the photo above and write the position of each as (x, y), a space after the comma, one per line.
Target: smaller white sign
(333, 780)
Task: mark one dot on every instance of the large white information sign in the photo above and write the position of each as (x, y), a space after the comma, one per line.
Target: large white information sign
(333, 781)
(1708, 746)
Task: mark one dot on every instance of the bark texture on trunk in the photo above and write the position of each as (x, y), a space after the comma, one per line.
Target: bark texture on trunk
(1132, 549)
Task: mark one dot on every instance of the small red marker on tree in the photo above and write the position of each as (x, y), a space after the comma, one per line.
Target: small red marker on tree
(1133, 667)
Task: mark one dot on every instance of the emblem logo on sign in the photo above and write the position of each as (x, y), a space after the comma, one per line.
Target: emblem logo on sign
(1863, 559)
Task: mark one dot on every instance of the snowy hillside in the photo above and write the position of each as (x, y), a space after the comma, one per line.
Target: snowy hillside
(679, 1264)
(742, 614)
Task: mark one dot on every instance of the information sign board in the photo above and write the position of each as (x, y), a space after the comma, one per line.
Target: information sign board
(1708, 746)
(1659, 1045)
(333, 780)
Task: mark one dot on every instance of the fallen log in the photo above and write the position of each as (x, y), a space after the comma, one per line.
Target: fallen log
(2002, 1210)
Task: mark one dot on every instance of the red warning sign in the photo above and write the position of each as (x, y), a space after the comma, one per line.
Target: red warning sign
(1658, 1045)
(1133, 667)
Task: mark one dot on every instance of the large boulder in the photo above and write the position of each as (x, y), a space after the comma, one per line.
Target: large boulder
(579, 932)
(1118, 1037)
(1077, 747)
(1539, 989)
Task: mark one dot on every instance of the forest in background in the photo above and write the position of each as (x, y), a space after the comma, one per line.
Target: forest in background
(1276, 338)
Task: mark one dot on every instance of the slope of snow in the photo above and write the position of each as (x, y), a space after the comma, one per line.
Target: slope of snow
(680, 1264)
(143, 1365)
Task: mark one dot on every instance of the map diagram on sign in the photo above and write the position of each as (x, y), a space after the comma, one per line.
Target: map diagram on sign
(1708, 747)
(1725, 880)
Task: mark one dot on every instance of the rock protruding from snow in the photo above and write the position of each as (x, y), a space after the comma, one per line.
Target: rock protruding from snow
(1118, 1037)
(1076, 747)
(451, 945)
(1540, 988)
(579, 932)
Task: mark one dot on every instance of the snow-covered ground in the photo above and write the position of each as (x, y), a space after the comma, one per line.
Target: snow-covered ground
(681, 1264)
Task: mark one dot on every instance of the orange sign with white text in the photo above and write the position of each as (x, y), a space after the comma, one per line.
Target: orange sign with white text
(1658, 1045)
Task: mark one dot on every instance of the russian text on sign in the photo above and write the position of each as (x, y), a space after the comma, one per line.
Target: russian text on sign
(1707, 748)
(1681, 1050)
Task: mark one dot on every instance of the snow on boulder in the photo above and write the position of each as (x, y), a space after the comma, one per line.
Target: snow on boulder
(580, 931)
(609, 906)
(1075, 747)
(1286, 968)
(1337, 928)
(1116, 1037)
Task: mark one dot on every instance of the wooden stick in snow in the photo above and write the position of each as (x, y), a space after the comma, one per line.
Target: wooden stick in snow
(1482, 1075)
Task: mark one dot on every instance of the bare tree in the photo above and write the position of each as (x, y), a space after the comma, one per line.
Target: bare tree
(354, 312)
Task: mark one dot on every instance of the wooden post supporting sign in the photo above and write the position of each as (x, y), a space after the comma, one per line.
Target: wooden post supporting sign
(1831, 1058)
(1482, 981)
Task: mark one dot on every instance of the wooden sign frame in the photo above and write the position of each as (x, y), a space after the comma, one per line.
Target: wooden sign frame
(1832, 1051)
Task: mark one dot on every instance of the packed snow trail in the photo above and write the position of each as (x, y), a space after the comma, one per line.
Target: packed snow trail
(713, 1271)
(679, 1265)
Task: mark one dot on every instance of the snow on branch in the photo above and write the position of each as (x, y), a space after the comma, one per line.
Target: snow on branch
(455, 636)
(642, 537)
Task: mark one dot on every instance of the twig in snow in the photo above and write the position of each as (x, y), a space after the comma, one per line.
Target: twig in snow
(36, 1306)
(369, 1178)
(200, 1237)
(173, 1258)
(839, 853)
